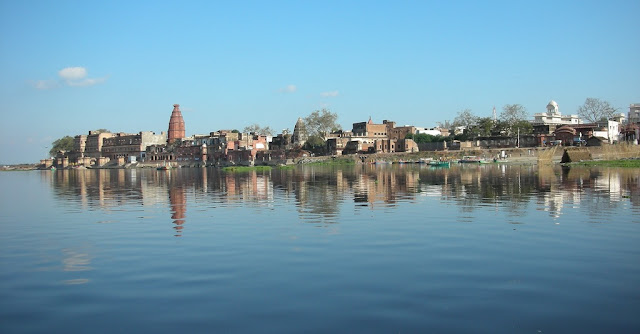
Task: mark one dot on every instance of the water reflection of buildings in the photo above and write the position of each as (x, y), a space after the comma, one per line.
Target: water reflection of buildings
(319, 191)
(178, 200)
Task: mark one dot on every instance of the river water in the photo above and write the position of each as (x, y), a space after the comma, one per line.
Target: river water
(321, 249)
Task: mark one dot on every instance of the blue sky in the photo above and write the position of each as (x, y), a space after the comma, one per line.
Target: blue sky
(72, 66)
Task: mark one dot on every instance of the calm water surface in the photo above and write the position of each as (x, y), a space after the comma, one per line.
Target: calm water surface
(371, 249)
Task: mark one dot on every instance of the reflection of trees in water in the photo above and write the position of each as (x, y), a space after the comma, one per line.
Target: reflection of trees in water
(97, 188)
(474, 186)
(318, 191)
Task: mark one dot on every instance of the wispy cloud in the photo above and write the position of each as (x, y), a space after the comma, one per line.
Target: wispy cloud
(69, 76)
(329, 94)
(288, 89)
(86, 82)
(44, 84)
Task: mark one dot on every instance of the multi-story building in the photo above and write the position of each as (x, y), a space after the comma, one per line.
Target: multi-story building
(634, 113)
(371, 130)
(124, 145)
(79, 145)
(94, 142)
(372, 138)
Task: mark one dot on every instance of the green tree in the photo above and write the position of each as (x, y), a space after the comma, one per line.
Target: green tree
(321, 122)
(523, 127)
(420, 138)
(315, 144)
(513, 114)
(485, 126)
(594, 110)
(62, 144)
(101, 131)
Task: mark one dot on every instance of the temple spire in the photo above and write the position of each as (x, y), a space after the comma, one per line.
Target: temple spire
(176, 125)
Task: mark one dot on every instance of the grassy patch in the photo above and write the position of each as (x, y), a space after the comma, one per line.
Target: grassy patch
(237, 169)
(335, 162)
(635, 163)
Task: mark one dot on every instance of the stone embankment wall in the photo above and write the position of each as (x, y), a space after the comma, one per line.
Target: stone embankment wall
(575, 154)
(616, 152)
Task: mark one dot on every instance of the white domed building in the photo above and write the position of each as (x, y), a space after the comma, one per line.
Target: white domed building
(544, 124)
(554, 117)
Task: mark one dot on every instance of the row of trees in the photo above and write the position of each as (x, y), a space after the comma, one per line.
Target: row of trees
(512, 120)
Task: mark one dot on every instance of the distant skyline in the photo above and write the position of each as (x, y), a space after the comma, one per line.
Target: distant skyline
(73, 66)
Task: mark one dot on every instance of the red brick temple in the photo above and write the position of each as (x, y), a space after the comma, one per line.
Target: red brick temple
(176, 125)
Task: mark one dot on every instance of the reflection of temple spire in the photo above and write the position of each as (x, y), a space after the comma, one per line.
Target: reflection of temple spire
(178, 201)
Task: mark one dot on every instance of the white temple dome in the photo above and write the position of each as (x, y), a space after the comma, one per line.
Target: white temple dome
(553, 104)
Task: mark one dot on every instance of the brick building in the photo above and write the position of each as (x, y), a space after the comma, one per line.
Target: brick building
(124, 145)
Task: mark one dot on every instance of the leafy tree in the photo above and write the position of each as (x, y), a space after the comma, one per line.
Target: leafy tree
(257, 129)
(320, 122)
(501, 128)
(594, 110)
(512, 114)
(101, 131)
(524, 127)
(485, 126)
(235, 131)
(62, 144)
(315, 144)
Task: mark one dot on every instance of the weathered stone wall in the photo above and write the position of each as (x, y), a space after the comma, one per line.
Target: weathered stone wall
(576, 154)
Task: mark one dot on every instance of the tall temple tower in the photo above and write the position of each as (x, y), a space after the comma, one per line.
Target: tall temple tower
(300, 135)
(176, 125)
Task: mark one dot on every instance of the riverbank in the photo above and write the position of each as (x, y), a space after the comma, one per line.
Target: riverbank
(525, 156)
(626, 163)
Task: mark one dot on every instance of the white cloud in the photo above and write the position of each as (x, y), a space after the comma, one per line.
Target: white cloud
(77, 77)
(329, 94)
(289, 89)
(45, 84)
(72, 73)
(69, 76)
(86, 82)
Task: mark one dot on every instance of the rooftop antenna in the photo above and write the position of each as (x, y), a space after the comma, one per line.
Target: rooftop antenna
(495, 116)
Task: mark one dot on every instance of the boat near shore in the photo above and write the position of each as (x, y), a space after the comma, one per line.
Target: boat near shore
(438, 163)
(472, 159)
(164, 167)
